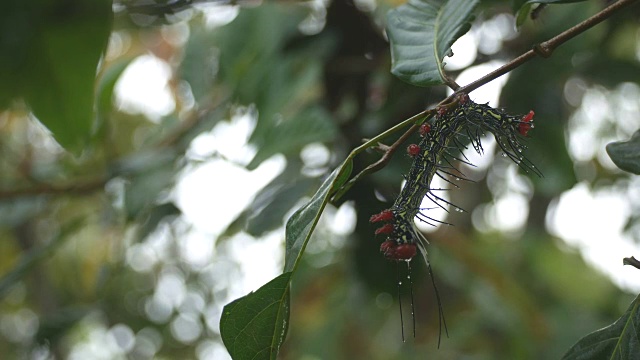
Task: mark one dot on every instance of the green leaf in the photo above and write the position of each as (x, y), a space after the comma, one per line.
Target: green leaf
(291, 135)
(148, 174)
(620, 340)
(421, 33)
(155, 217)
(269, 209)
(626, 154)
(254, 326)
(60, 70)
(302, 223)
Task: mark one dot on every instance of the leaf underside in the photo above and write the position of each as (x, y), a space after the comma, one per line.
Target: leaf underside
(421, 33)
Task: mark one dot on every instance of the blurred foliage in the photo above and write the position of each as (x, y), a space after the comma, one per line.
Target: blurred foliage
(94, 239)
(626, 154)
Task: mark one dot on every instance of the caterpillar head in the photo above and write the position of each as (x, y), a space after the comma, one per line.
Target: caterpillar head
(400, 244)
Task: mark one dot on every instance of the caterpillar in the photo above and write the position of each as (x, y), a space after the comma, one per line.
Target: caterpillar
(443, 143)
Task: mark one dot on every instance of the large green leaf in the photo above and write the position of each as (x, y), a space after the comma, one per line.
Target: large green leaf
(421, 34)
(254, 326)
(626, 154)
(52, 62)
(620, 340)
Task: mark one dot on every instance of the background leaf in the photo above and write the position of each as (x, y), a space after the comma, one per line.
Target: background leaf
(421, 33)
(626, 154)
(57, 61)
(523, 7)
(620, 340)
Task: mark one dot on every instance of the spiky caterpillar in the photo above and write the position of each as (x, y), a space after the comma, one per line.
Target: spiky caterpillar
(441, 142)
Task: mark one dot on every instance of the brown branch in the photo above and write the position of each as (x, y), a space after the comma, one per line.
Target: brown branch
(546, 48)
(631, 261)
(74, 188)
(388, 154)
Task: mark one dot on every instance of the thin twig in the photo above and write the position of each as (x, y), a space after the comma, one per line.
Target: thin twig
(546, 48)
(631, 261)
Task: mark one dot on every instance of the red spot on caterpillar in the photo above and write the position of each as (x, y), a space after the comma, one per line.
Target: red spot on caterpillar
(388, 248)
(413, 149)
(403, 252)
(424, 129)
(386, 229)
(441, 110)
(525, 125)
(385, 215)
(464, 98)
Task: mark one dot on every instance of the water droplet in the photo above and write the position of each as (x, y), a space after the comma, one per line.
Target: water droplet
(399, 282)
(457, 179)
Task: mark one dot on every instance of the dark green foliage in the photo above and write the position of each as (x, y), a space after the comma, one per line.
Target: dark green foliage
(626, 154)
(421, 33)
(49, 53)
(620, 340)
(254, 326)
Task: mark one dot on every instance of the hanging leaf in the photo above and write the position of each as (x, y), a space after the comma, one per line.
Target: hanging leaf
(254, 326)
(302, 223)
(626, 154)
(619, 340)
(421, 33)
(52, 62)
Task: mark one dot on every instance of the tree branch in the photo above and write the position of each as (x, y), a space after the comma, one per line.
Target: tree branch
(74, 188)
(546, 48)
